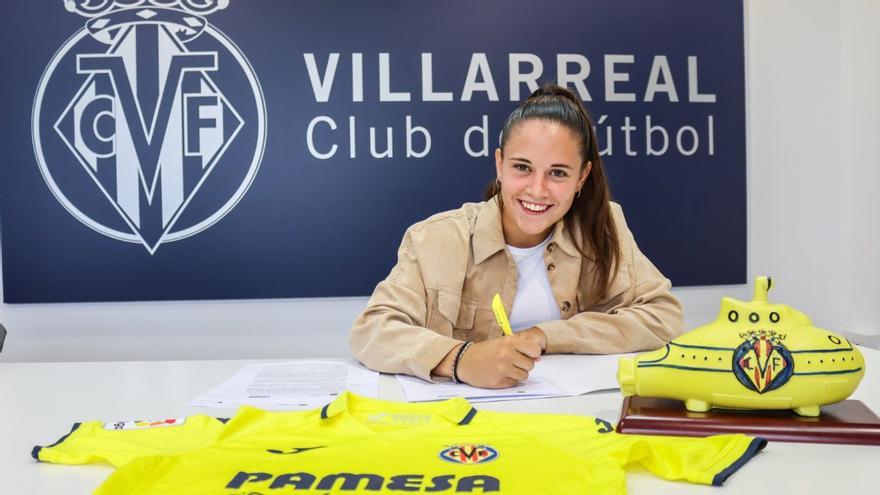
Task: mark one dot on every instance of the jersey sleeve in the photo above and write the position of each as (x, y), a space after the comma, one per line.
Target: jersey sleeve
(119, 442)
(709, 460)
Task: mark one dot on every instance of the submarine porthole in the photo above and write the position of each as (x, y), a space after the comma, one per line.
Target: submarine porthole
(809, 362)
(774, 317)
(753, 317)
(834, 339)
(822, 361)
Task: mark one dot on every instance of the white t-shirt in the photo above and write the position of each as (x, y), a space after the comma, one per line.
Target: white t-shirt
(534, 302)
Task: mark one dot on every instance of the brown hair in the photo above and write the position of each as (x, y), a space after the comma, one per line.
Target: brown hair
(590, 213)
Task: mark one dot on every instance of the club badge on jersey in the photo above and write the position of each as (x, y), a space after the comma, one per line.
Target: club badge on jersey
(469, 454)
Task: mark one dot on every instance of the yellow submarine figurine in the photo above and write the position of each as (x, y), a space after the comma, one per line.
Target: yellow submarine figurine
(755, 355)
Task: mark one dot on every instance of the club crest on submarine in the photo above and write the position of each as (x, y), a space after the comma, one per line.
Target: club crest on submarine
(762, 363)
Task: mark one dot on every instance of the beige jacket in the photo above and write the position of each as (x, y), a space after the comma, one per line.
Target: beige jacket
(449, 267)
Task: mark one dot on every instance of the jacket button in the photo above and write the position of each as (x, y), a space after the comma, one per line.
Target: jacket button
(566, 306)
(551, 267)
(550, 247)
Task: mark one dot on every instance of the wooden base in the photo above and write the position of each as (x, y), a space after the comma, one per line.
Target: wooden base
(847, 422)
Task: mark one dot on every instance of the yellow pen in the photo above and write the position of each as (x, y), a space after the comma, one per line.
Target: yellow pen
(501, 315)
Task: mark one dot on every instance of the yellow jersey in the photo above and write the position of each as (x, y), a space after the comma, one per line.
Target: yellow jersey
(356, 445)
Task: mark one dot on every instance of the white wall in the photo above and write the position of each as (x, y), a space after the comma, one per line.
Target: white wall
(812, 73)
(794, 117)
(860, 163)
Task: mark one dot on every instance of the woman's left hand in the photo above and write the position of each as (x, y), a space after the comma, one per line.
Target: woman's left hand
(536, 335)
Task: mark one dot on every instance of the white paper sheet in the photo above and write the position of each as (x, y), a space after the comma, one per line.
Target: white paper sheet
(291, 385)
(554, 376)
(418, 390)
(580, 374)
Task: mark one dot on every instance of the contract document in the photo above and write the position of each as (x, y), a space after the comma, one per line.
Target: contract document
(554, 375)
(291, 385)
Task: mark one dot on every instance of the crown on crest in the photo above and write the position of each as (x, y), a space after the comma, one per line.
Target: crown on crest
(95, 8)
(770, 335)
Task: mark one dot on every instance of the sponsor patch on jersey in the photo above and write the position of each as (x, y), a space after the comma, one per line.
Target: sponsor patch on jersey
(144, 424)
(469, 454)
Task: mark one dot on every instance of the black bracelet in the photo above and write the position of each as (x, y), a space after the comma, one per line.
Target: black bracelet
(457, 359)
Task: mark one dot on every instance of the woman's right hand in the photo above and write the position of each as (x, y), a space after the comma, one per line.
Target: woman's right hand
(499, 363)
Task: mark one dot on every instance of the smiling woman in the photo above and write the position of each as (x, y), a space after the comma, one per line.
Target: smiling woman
(547, 239)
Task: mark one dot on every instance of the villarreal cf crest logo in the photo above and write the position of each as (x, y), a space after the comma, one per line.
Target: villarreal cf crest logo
(762, 363)
(469, 454)
(149, 123)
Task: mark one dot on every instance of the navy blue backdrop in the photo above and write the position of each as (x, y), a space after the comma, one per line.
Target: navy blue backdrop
(193, 150)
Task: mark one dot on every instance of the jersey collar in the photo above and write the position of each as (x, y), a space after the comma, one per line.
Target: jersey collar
(457, 411)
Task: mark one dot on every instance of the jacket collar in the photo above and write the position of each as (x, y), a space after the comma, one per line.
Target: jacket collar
(488, 236)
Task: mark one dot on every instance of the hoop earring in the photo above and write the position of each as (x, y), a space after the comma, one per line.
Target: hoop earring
(577, 194)
(497, 195)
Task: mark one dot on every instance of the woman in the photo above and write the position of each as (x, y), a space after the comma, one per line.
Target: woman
(547, 239)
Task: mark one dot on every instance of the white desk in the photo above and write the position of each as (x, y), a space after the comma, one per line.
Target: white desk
(39, 402)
